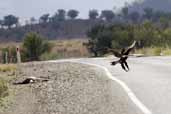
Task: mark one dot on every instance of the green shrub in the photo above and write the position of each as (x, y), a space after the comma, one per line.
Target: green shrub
(34, 46)
(118, 36)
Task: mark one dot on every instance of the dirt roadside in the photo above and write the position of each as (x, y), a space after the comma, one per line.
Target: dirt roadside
(72, 89)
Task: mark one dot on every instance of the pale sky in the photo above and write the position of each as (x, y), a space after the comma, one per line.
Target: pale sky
(28, 8)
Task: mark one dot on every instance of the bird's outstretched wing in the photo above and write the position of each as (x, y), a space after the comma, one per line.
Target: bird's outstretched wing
(130, 48)
(115, 53)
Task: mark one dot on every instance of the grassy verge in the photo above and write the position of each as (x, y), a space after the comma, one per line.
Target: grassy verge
(7, 67)
(66, 49)
(60, 49)
(4, 92)
(7, 74)
(3, 89)
(155, 51)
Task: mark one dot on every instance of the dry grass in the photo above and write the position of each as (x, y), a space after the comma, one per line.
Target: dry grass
(3, 88)
(7, 67)
(7, 75)
(155, 51)
(61, 49)
(66, 49)
(166, 51)
(9, 44)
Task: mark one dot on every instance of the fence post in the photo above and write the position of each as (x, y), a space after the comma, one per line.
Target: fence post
(18, 55)
(6, 57)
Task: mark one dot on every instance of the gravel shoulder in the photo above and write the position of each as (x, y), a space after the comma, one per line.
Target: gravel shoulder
(72, 89)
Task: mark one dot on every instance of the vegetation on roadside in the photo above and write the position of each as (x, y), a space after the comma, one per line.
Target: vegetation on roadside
(7, 68)
(106, 28)
(3, 90)
(147, 35)
(34, 46)
(7, 74)
(66, 49)
(55, 49)
(154, 51)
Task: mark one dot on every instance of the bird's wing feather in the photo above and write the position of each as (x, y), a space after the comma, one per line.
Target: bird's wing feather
(115, 53)
(130, 48)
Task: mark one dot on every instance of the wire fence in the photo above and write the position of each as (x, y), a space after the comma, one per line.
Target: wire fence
(8, 59)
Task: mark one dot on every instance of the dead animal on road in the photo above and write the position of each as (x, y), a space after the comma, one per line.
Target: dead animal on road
(123, 55)
(31, 80)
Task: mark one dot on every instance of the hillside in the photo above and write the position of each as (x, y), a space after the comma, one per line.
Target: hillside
(65, 29)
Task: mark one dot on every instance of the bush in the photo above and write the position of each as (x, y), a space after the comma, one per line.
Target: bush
(34, 46)
(100, 37)
(115, 36)
(120, 36)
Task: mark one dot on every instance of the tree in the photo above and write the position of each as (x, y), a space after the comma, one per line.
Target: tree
(72, 14)
(93, 14)
(93, 38)
(32, 20)
(1, 23)
(44, 18)
(34, 46)
(134, 16)
(125, 12)
(157, 15)
(164, 22)
(100, 37)
(148, 13)
(61, 14)
(107, 14)
(10, 20)
(54, 18)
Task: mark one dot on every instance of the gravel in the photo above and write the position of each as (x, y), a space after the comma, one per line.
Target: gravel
(72, 89)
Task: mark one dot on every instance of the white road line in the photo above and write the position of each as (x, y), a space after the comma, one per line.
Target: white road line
(131, 95)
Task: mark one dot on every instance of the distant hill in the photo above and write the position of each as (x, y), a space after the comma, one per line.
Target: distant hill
(162, 5)
(67, 29)
(77, 28)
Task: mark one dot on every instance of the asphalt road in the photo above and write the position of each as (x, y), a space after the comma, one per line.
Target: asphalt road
(149, 79)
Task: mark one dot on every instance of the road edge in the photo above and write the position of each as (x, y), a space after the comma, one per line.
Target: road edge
(129, 92)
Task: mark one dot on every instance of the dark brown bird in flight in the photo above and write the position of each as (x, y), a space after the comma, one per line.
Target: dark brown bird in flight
(123, 55)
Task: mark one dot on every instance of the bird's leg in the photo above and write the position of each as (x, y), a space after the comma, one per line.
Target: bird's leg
(123, 67)
(126, 64)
